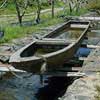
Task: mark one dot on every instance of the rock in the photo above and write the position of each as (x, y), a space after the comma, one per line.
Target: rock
(71, 96)
(4, 59)
(81, 89)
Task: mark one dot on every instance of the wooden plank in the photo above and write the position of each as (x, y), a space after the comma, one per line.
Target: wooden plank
(96, 31)
(64, 42)
(6, 54)
(78, 26)
(90, 18)
(93, 58)
(93, 46)
(77, 74)
(9, 68)
(91, 68)
(84, 18)
(63, 74)
(55, 42)
(57, 39)
(69, 69)
(85, 59)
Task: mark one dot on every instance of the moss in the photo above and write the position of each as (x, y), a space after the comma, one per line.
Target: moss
(97, 96)
(4, 95)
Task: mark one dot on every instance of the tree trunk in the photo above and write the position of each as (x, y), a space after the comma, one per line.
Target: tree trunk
(52, 4)
(18, 13)
(77, 6)
(38, 12)
(70, 8)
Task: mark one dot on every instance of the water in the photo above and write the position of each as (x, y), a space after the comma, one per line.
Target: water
(20, 89)
(29, 87)
(83, 52)
(56, 88)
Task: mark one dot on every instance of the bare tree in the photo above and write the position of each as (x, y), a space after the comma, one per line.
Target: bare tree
(20, 12)
(71, 6)
(75, 5)
(38, 11)
(52, 3)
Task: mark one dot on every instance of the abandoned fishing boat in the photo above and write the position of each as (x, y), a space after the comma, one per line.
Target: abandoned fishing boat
(49, 52)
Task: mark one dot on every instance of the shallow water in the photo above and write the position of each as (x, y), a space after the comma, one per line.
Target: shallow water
(29, 87)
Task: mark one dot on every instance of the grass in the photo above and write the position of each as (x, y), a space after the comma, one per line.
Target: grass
(15, 31)
(11, 9)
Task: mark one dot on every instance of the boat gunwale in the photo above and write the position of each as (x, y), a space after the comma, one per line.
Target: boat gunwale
(31, 58)
(68, 47)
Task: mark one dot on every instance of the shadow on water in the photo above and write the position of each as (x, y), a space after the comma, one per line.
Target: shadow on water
(56, 88)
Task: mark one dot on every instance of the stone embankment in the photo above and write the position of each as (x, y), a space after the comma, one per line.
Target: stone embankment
(84, 88)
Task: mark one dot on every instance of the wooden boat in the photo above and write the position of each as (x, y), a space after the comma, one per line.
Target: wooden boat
(49, 53)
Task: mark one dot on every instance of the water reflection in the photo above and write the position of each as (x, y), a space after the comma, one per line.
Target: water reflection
(20, 89)
(83, 52)
(30, 88)
(56, 88)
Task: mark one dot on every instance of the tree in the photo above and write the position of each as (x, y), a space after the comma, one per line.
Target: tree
(4, 3)
(75, 5)
(52, 3)
(19, 6)
(38, 11)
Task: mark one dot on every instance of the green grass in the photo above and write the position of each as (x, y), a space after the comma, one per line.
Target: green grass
(66, 13)
(10, 7)
(12, 32)
(16, 31)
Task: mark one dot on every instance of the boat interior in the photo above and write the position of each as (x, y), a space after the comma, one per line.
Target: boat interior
(54, 41)
(38, 49)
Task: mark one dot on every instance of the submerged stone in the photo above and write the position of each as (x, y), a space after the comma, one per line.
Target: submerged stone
(4, 59)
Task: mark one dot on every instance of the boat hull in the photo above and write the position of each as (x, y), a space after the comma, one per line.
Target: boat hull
(49, 61)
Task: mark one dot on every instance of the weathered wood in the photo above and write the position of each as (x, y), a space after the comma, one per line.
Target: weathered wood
(93, 46)
(85, 18)
(10, 68)
(6, 54)
(91, 69)
(31, 57)
(63, 74)
(69, 69)
(93, 58)
(63, 42)
(57, 39)
(56, 42)
(96, 31)
(78, 26)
